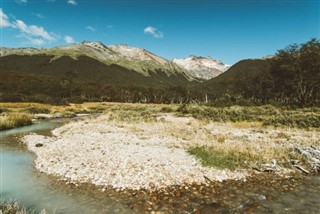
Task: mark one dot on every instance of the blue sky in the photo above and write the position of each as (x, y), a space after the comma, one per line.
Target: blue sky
(225, 30)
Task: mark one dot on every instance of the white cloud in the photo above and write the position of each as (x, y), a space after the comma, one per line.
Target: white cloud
(35, 35)
(22, 1)
(34, 31)
(34, 41)
(91, 28)
(110, 26)
(154, 32)
(4, 20)
(31, 40)
(69, 39)
(72, 2)
(39, 15)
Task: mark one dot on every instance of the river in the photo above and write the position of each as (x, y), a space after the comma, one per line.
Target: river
(36, 191)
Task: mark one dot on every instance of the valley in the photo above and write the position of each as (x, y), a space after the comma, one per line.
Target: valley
(157, 136)
(159, 157)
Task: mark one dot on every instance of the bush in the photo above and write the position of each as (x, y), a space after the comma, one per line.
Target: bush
(297, 119)
(268, 115)
(34, 110)
(166, 109)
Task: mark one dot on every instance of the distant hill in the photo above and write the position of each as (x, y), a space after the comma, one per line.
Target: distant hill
(240, 73)
(93, 71)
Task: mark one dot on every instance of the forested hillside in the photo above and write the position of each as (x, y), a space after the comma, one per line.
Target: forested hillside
(290, 77)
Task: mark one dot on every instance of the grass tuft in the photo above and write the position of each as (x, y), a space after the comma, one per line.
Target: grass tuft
(15, 207)
(219, 159)
(13, 120)
(11, 207)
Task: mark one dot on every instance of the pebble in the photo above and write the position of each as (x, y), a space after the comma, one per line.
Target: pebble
(105, 155)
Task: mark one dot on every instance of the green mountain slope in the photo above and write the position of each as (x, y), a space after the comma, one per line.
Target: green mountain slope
(85, 68)
(242, 72)
(76, 78)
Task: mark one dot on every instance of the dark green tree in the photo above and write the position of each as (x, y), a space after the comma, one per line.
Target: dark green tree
(295, 71)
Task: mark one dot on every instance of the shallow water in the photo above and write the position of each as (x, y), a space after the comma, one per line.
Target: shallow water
(287, 196)
(36, 191)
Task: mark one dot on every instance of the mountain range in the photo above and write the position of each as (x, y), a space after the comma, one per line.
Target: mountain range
(132, 58)
(92, 70)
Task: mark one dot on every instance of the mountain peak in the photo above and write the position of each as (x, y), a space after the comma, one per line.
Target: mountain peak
(98, 44)
(202, 67)
(199, 57)
(134, 53)
(204, 58)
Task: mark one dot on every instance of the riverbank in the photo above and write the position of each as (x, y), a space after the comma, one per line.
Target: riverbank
(122, 151)
(124, 133)
(266, 193)
(14, 207)
(122, 155)
(14, 115)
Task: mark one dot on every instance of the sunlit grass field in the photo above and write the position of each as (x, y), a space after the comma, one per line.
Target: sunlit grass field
(211, 132)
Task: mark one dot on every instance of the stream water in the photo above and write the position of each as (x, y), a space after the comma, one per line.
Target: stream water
(36, 191)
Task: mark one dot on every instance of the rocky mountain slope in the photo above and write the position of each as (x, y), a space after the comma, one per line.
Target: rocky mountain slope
(91, 71)
(202, 67)
(131, 58)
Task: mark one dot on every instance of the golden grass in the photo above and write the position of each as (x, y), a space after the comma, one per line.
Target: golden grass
(238, 141)
(247, 124)
(24, 105)
(13, 120)
(249, 138)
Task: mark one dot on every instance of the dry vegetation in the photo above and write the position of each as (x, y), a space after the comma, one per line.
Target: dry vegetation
(15, 207)
(13, 120)
(228, 137)
(11, 207)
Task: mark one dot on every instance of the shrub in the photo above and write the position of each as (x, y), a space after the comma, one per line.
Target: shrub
(298, 119)
(268, 115)
(166, 109)
(35, 110)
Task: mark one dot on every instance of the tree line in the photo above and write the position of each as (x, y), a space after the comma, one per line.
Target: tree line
(293, 79)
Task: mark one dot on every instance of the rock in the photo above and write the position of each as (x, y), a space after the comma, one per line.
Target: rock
(294, 162)
(44, 212)
(262, 197)
(177, 193)
(107, 153)
(151, 185)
